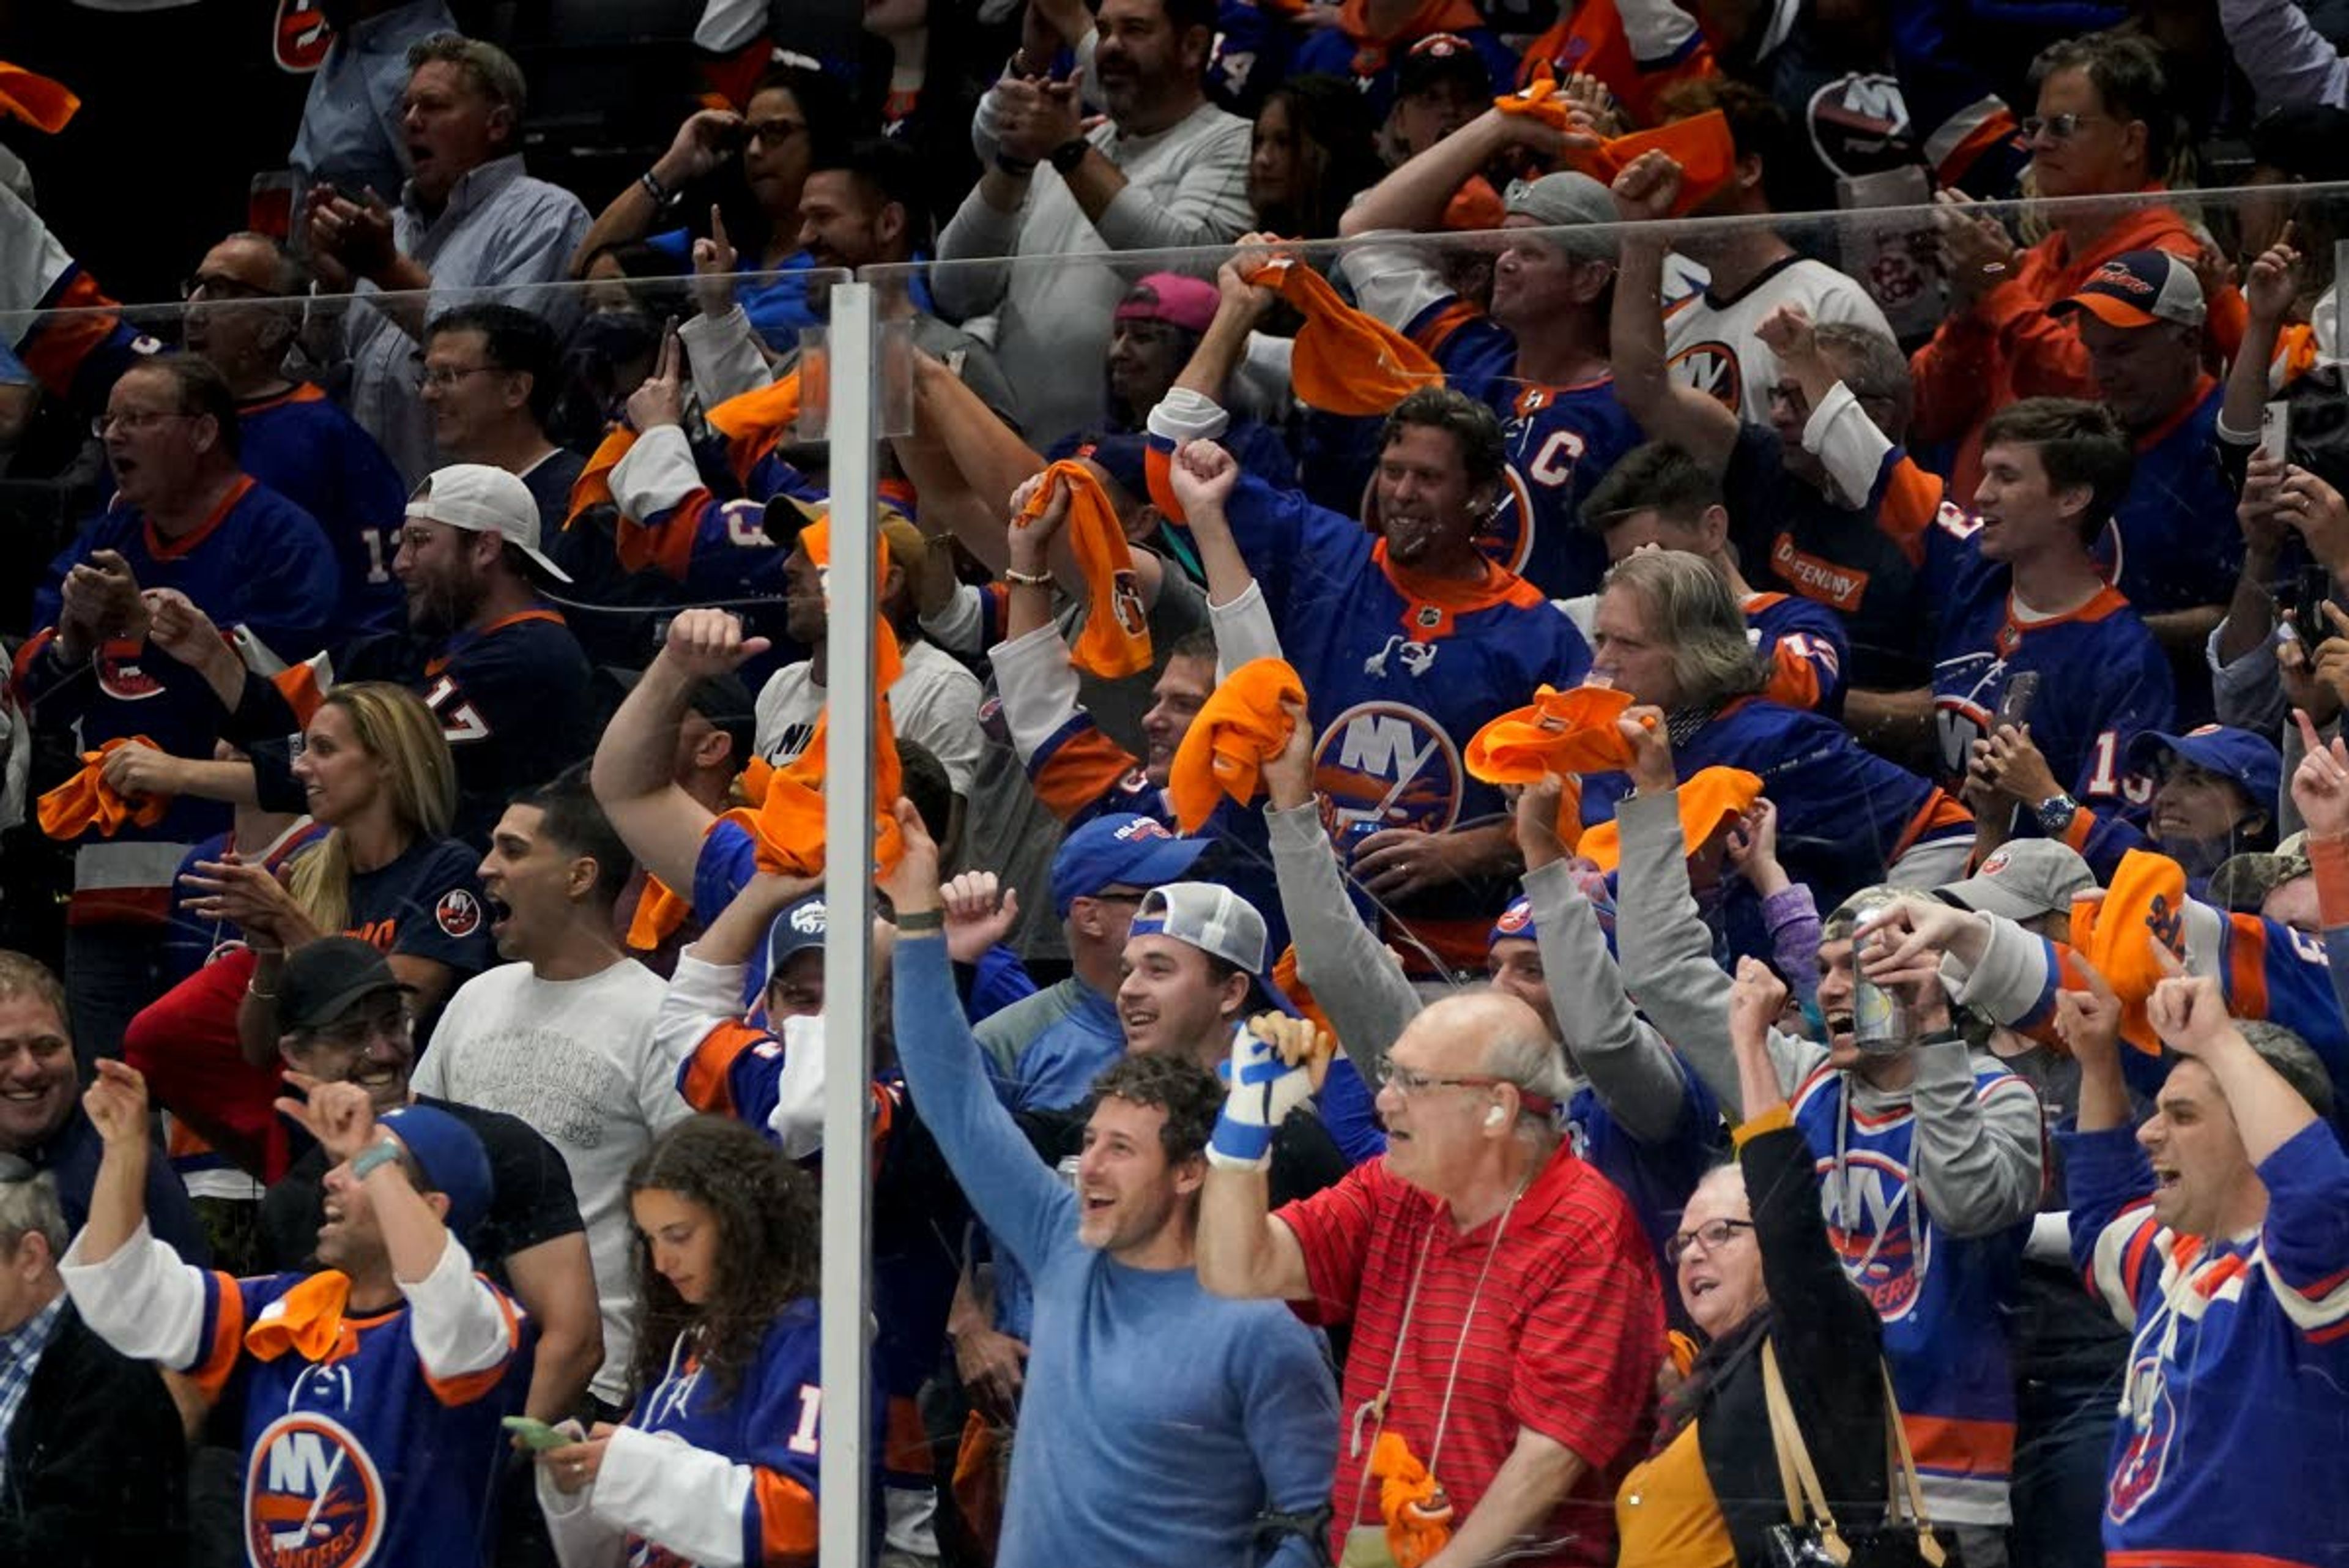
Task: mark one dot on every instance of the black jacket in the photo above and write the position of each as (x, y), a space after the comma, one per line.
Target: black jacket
(97, 1467)
(1829, 1346)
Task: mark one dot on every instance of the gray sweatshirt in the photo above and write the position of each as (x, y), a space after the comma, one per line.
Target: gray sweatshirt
(1976, 1163)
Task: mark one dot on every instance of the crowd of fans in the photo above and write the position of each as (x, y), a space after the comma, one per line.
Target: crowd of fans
(1575, 865)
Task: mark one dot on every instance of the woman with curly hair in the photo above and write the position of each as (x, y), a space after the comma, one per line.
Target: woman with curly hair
(716, 1465)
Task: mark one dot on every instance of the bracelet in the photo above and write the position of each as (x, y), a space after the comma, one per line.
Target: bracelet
(917, 921)
(1017, 168)
(374, 1157)
(1027, 579)
(661, 196)
(258, 994)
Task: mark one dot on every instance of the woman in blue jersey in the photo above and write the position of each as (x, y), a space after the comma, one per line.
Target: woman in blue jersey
(716, 1465)
(375, 768)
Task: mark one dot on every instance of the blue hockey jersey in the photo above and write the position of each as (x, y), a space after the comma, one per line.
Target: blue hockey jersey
(310, 452)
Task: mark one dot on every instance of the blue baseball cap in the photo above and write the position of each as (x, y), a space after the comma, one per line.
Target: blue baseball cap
(1127, 850)
(1516, 924)
(454, 1163)
(799, 927)
(2251, 760)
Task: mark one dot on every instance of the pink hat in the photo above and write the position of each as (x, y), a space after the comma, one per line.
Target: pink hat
(1188, 303)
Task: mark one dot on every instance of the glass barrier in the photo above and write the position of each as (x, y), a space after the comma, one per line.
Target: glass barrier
(1904, 547)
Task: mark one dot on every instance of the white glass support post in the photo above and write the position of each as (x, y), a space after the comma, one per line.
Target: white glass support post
(845, 1472)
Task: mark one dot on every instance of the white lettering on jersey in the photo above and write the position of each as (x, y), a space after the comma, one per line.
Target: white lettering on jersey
(459, 720)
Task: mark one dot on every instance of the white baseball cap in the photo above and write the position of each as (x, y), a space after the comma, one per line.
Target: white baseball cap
(483, 500)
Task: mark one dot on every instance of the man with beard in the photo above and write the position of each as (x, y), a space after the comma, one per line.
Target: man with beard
(506, 678)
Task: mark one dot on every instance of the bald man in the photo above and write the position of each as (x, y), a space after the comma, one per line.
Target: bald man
(1545, 1349)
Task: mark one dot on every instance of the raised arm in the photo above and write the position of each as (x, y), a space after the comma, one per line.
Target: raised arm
(1668, 411)
(634, 773)
(1415, 196)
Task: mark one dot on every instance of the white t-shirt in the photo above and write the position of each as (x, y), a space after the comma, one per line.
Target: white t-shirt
(575, 1059)
(1709, 342)
(934, 703)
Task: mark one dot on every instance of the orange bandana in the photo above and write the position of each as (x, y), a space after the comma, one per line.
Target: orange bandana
(87, 800)
(2117, 936)
(1563, 733)
(1345, 361)
(1710, 800)
(1115, 642)
(1239, 728)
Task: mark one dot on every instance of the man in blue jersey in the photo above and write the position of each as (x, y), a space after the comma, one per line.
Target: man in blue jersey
(2218, 1234)
(243, 313)
(2173, 546)
(184, 517)
(1407, 644)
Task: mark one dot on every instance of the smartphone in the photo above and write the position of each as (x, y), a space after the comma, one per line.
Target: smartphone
(535, 1434)
(2275, 430)
(2014, 702)
(2311, 587)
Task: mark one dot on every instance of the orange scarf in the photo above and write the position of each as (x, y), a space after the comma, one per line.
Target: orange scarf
(1563, 733)
(2118, 936)
(1417, 1511)
(1345, 361)
(1241, 727)
(1710, 800)
(1700, 144)
(87, 800)
(1115, 642)
(39, 103)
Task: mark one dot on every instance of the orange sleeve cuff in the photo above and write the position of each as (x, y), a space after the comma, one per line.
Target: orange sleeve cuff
(1779, 1115)
(2329, 859)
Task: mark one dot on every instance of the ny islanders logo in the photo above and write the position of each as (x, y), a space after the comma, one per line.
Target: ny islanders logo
(1712, 368)
(1871, 1222)
(312, 1496)
(1386, 765)
(459, 913)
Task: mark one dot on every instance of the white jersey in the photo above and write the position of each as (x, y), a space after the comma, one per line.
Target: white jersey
(1709, 341)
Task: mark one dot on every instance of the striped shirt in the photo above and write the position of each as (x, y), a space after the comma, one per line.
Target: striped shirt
(20, 1356)
(1564, 1340)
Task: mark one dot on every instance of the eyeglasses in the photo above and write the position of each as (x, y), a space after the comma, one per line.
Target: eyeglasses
(131, 419)
(1406, 1081)
(775, 132)
(203, 288)
(441, 378)
(2058, 126)
(1709, 1236)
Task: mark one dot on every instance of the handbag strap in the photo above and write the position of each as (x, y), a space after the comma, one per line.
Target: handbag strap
(1805, 1499)
(1902, 1484)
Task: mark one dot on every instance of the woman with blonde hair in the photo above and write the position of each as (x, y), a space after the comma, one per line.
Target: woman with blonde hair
(375, 768)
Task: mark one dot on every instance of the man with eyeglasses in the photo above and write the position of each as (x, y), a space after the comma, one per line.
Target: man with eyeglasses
(1504, 1298)
(186, 518)
(346, 1021)
(2103, 126)
(245, 307)
(471, 225)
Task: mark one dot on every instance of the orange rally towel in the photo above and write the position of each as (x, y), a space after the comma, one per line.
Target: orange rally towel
(1418, 1514)
(2145, 905)
(1345, 361)
(1710, 799)
(787, 818)
(1239, 728)
(1115, 642)
(1292, 985)
(1432, 17)
(1564, 733)
(1700, 144)
(307, 1320)
(661, 914)
(40, 102)
(1476, 208)
(86, 800)
(304, 685)
(594, 485)
(754, 422)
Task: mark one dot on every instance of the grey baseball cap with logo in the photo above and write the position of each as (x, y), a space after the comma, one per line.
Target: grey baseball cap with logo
(483, 500)
(2023, 882)
(1570, 200)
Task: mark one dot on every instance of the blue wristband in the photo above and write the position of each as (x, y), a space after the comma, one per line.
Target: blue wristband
(1239, 1143)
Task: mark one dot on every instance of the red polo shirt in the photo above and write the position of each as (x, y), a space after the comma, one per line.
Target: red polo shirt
(1564, 1340)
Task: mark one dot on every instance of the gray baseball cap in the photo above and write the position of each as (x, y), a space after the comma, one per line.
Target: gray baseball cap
(2023, 882)
(1568, 200)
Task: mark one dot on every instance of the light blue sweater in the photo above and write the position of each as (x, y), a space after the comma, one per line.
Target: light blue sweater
(1158, 1421)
